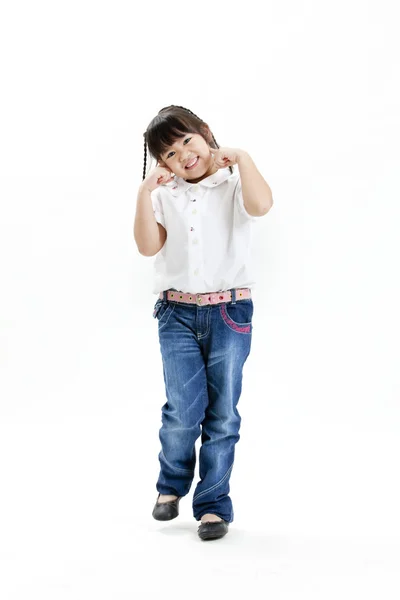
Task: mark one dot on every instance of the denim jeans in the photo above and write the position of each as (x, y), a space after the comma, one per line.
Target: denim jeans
(203, 351)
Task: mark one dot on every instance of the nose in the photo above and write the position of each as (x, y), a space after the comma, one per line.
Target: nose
(184, 155)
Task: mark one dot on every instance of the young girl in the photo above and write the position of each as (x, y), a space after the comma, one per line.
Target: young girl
(197, 212)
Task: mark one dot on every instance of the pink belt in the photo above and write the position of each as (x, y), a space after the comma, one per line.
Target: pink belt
(209, 298)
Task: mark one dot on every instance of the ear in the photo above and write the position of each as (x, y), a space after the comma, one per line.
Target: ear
(206, 133)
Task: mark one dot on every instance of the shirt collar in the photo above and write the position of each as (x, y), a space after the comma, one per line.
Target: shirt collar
(179, 185)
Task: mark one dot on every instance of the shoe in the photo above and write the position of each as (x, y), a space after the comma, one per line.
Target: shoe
(213, 531)
(165, 511)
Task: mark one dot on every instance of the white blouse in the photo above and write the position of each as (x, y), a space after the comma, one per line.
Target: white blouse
(209, 234)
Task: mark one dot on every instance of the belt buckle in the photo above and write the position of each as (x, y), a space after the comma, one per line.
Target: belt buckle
(214, 298)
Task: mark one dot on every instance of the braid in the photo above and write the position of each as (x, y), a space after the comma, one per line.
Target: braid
(145, 157)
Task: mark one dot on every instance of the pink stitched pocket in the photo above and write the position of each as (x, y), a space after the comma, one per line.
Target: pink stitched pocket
(243, 313)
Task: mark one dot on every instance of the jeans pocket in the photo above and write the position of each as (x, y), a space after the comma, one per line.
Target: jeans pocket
(238, 316)
(162, 310)
(157, 307)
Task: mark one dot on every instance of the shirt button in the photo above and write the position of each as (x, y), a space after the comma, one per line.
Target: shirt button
(196, 272)
(196, 241)
(194, 212)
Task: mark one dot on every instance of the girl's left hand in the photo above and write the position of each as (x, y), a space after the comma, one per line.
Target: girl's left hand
(226, 157)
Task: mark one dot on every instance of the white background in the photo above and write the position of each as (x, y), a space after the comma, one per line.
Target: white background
(311, 90)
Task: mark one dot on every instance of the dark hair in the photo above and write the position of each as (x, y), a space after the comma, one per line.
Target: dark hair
(171, 123)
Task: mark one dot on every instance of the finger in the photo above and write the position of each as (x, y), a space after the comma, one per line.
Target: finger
(164, 178)
(162, 166)
(220, 152)
(216, 157)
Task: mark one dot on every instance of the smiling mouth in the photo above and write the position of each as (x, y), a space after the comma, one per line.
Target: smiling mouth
(191, 164)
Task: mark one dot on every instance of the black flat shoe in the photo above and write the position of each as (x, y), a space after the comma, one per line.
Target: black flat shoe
(165, 511)
(213, 531)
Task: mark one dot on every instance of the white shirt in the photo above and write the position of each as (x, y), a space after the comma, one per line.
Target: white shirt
(209, 234)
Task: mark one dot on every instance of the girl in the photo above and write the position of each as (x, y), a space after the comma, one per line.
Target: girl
(197, 211)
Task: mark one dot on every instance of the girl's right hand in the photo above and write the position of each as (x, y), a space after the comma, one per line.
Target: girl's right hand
(156, 177)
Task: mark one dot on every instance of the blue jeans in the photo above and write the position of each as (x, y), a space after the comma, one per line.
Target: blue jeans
(203, 351)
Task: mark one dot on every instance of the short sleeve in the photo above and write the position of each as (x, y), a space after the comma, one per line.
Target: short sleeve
(238, 197)
(157, 207)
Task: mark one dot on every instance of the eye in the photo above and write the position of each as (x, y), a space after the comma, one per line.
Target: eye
(170, 154)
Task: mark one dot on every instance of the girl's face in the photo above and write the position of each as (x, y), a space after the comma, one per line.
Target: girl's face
(189, 158)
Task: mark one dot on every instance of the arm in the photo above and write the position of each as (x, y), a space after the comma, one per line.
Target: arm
(257, 195)
(149, 235)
